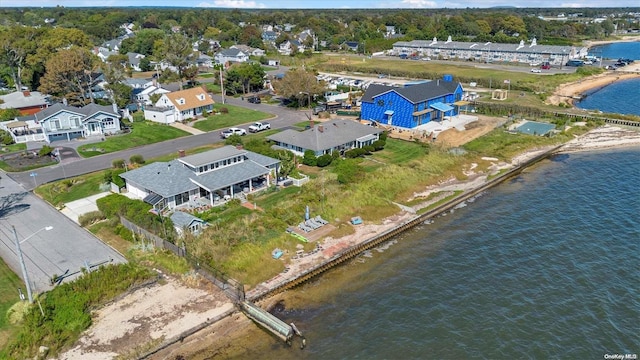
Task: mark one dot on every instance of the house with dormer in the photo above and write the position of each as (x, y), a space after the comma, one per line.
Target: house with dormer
(249, 50)
(412, 105)
(180, 105)
(230, 56)
(63, 122)
(205, 179)
(289, 46)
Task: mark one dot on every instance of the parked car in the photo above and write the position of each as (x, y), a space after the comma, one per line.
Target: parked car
(254, 100)
(225, 134)
(536, 70)
(259, 126)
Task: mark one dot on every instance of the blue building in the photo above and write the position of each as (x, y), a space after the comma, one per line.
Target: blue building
(412, 105)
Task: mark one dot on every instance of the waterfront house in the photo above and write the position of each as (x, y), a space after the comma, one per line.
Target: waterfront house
(205, 179)
(327, 137)
(180, 105)
(412, 105)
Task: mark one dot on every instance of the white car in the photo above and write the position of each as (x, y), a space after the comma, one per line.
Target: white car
(232, 131)
(536, 70)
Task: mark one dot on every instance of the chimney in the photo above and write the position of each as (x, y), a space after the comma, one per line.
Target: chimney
(26, 93)
(321, 128)
(239, 147)
(181, 153)
(115, 108)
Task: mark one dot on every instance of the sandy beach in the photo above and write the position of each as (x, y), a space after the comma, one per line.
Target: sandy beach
(567, 93)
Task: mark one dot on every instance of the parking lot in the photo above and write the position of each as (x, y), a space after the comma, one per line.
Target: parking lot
(51, 243)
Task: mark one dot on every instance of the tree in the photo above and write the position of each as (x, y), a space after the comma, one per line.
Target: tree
(299, 85)
(244, 78)
(145, 64)
(68, 75)
(15, 45)
(177, 51)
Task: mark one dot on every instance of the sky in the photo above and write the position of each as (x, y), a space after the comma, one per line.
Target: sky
(326, 4)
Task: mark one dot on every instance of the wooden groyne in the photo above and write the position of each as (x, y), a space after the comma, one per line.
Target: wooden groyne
(386, 235)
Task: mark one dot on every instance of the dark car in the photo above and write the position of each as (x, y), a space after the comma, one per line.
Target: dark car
(254, 100)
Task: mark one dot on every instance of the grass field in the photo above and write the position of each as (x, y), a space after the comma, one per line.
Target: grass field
(143, 133)
(79, 187)
(9, 283)
(236, 116)
(463, 72)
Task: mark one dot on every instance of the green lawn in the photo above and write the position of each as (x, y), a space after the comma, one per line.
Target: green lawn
(13, 148)
(79, 187)
(143, 133)
(9, 283)
(236, 116)
(399, 152)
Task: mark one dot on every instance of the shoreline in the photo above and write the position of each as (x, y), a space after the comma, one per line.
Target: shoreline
(606, 137)
(625, 38)
(174, 321)
(570, 92)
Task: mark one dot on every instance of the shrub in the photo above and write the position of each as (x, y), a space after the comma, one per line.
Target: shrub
(136, 159)
(310, 158)
(118, 163)
(205, 113)
(6, 138)
(383, 135)
(234, 140)
(224, 110)
(45, 150)
(324, 160)
(354, 153)
(90, 218)
(348, 171)
(379, 145)
(369, 149)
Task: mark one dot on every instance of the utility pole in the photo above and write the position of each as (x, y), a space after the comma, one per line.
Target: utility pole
(25, 275)
(220, 67)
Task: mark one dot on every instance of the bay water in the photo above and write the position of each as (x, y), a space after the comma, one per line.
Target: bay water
(625, 50)
(542, 266)
(621, 97)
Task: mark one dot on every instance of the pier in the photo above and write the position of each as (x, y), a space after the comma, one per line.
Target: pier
(268, 321)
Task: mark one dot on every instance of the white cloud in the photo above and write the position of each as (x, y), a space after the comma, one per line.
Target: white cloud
(408, 4)
(238, 4)
(418, 4)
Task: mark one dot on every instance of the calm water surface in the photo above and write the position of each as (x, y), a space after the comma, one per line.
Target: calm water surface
(621, 97)
(543, 266)
(626, 50)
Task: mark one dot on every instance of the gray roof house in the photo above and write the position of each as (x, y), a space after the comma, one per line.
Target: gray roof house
(230, 55)
(202, 180)
(27, 102)
(327, 137)
(134, 60)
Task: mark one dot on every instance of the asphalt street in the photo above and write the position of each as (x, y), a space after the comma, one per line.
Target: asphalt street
(46, 252)
(283, 118)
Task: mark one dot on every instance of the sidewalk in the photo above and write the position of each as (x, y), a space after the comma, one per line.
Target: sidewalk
(186, 128)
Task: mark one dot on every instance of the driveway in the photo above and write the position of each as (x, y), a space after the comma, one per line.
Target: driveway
(46, 253)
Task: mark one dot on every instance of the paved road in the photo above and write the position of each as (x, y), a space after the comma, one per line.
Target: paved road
(46, 253)
(70, 167)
